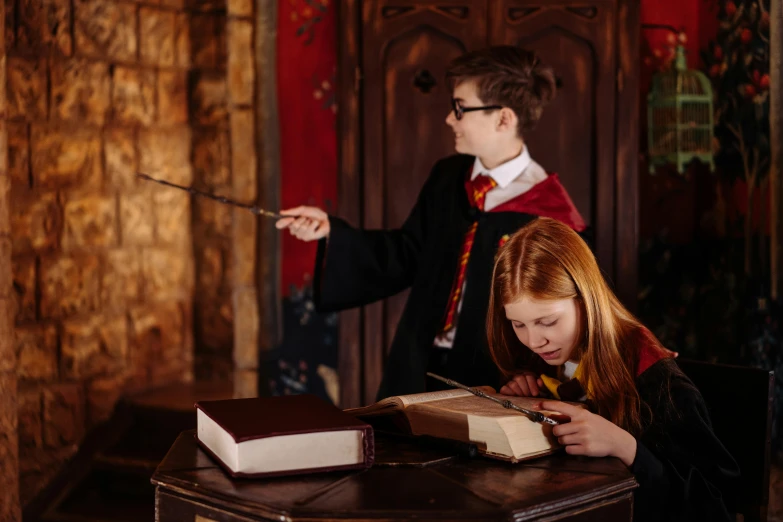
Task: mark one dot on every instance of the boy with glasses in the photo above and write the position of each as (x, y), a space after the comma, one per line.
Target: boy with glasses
(445, 250)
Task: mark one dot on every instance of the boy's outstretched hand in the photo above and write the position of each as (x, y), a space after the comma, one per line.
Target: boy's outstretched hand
(590, 434)
(308, 223)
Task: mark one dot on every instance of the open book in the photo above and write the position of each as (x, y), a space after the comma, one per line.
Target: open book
(459, 415)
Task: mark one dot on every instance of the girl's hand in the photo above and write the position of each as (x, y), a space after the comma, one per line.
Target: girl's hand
(590, 434)
(525, 384)
(312, 223)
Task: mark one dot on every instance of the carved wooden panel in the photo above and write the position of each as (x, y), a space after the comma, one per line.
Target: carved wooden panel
(575, 136)
(406, 51)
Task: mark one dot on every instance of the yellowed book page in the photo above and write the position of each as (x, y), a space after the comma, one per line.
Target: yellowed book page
(403, 401)
(418, 398)
(384, 406)
(473, 405)
(508, 437)
(500, 432)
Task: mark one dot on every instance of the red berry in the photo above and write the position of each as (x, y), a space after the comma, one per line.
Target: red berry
(750, 91)
(730, 8)
(764, 82)
(764, 22)
(746, 36)
(718, 53)
(715, 71)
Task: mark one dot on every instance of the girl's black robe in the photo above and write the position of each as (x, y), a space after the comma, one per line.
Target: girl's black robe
(684, 472)
(357, 267)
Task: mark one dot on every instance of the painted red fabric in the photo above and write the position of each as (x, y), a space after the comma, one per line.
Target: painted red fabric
(306, 68)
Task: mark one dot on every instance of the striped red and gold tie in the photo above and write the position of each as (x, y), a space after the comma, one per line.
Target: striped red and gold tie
(477, 190)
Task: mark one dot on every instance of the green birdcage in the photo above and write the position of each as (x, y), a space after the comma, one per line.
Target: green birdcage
(679, 117)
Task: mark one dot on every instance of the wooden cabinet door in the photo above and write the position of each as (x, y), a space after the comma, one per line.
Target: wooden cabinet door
(393, 103)
(406, 47)
(575, 137)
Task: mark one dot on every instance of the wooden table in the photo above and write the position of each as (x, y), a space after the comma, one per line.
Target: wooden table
(409, 481)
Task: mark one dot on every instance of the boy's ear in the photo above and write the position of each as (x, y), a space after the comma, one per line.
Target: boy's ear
(507, 120)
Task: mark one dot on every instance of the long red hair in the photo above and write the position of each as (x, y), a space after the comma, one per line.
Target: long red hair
(548, 260)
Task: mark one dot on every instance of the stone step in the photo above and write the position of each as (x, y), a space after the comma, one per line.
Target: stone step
(181, 397)
(140, 466)
(159, 416)
(109, 479)
(107, 495)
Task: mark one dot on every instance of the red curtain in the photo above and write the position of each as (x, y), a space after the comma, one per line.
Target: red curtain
(306, 69)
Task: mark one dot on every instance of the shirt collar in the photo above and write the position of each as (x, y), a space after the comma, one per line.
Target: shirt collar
(505, 173)
(569, 369)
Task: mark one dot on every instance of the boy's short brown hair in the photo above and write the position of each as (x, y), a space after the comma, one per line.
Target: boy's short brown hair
(509, 76)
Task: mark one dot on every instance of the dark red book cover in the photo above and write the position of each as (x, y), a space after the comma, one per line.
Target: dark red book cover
(260, 417)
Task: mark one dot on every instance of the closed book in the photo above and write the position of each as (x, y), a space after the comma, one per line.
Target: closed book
(288, 435)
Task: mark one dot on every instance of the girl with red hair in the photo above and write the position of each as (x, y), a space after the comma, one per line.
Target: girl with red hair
(555, 328)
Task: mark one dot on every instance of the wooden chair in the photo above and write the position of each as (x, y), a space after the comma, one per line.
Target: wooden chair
(739, 400)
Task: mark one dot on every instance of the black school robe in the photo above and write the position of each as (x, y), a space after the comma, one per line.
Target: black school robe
(684, 472)
(357, 267)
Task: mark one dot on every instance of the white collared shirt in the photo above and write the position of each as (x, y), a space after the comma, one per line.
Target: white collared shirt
(569, 369)
(514, 177)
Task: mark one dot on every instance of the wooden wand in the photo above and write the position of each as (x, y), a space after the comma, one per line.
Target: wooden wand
(255, 209)
(535, 416)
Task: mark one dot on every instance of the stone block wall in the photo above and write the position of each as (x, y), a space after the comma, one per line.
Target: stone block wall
(9, 470)
(117, 280)
(223, 110)
(243, 113)
(114, 284)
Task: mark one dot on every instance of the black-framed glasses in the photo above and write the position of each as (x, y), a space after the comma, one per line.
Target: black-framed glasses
(460, 111)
